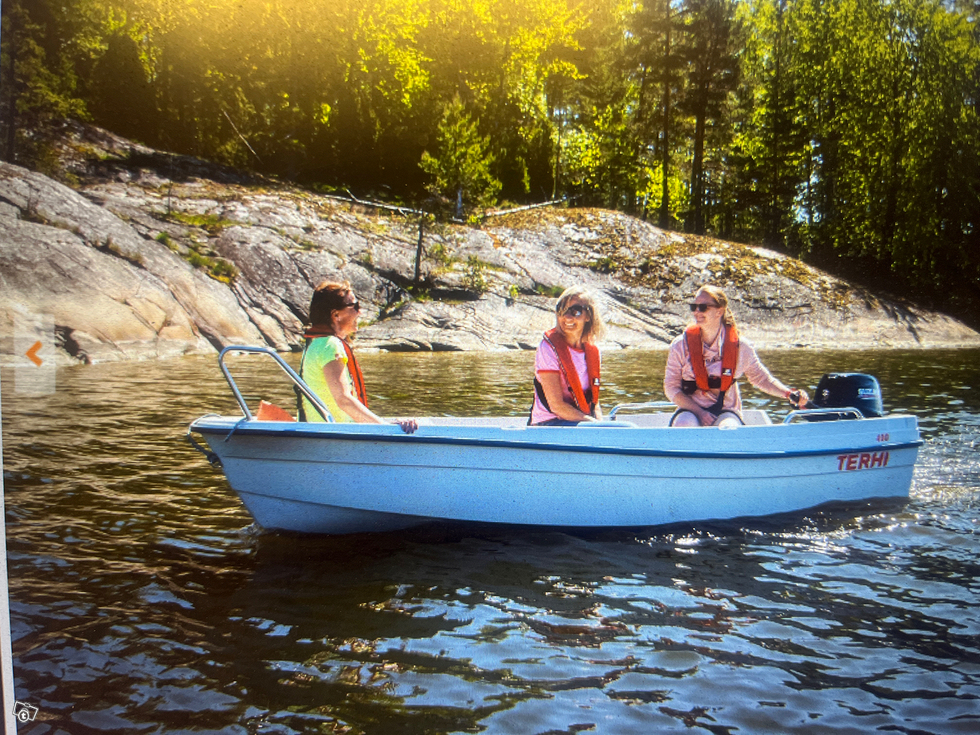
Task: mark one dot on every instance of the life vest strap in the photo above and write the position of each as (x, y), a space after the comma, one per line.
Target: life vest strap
(729, 359)
(556, 339)
(355, 373)
(690, 387)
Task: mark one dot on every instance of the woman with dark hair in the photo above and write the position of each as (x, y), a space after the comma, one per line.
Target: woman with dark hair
(704, 363)
(329, 367)
(567, 364)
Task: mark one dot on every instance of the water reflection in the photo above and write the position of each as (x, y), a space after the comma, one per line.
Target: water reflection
(144, 600)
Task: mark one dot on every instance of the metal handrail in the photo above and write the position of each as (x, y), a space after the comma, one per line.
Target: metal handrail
(290, 373)
(645, 404)
(839, 412)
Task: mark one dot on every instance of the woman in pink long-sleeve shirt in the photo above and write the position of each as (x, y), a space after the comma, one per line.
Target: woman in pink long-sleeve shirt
(712, 407)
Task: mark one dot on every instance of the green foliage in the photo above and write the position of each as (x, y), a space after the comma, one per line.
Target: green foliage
(420, 294)
(893, 130)
(599, 158)
(121, 96)
(222, 269)
(211, 222)
(461, 170)
(769, 146)
(45, 82)
(552, 292)
(712, 75)
(475, 278)
(843, 130)
(440, 253)
(651, 192)
(111, 247)
(604, 264)
(217, 268)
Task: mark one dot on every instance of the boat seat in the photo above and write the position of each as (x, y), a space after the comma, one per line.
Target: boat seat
(649, 420)
(503, 422)
(755, 417)
(752, 417)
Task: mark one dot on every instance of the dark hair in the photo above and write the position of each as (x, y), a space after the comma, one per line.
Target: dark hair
(328, 297)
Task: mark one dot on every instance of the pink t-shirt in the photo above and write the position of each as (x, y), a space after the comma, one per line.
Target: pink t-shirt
(546, 361)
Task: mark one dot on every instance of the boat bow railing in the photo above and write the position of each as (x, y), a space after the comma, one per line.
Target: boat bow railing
(298, 382)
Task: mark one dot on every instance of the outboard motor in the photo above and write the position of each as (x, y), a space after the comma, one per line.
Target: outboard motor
(849, 390)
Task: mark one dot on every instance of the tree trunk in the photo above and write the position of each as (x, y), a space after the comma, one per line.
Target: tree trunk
(418, 249)
(664, 219)
(773, 227)
(697, 176)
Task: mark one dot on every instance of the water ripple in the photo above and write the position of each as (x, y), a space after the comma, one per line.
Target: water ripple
(144, 600)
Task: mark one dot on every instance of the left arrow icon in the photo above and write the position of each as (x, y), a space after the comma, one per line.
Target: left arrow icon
(32, 353)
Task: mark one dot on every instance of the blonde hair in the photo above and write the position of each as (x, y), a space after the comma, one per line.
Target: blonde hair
(594, 328)
(721, 299)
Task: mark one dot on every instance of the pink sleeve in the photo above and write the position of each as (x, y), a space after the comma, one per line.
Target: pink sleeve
(758, 375)
(546, 359)
(676, 358)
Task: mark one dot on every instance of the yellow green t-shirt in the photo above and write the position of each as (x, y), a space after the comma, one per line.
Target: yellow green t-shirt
(319, 352)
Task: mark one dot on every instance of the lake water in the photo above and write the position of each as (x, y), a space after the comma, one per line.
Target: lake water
(143, 600)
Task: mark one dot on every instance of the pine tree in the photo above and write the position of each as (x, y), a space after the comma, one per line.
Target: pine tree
(461, 170)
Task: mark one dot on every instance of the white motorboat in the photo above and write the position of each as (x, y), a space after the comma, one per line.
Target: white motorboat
(629, 471)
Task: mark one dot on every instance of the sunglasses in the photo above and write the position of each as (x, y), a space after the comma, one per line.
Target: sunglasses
(575, 311)
(702, 307)
(355, 305)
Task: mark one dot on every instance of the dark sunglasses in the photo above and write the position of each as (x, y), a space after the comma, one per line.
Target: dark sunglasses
(575, 311)
(355, 305)
(702, 307)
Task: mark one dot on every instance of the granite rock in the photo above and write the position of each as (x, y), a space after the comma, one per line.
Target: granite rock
(150, 256)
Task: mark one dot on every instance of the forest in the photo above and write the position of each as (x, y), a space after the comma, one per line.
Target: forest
(845, 132)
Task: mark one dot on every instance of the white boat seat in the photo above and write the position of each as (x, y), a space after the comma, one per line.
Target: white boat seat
(752, 417)
(755, 417)
(505, 422)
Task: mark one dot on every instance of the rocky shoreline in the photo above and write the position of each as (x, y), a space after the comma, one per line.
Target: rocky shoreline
(148, 256)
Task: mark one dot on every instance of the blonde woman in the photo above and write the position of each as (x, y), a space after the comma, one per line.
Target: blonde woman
(704, 363)
(567, 364)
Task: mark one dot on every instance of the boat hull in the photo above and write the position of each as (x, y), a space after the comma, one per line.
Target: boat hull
(336, 478)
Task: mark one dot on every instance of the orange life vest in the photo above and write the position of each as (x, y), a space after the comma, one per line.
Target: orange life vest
(557, 340)
(355, 369)
(729, 359)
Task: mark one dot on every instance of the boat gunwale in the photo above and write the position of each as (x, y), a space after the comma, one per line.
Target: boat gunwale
(292, 430)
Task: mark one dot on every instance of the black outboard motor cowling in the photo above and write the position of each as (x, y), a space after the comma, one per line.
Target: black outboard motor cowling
(850, 390)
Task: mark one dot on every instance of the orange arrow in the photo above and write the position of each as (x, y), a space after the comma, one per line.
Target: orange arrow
(32, 353)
